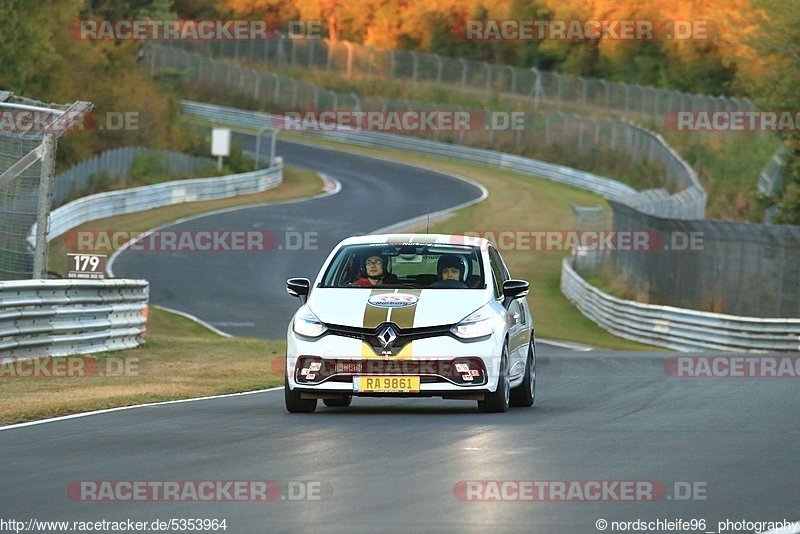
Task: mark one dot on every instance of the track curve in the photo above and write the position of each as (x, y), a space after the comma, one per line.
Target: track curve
(243, 293)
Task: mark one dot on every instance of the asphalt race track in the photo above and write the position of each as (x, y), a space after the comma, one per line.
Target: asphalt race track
(399, 465)
(244, 293)
(387, 465)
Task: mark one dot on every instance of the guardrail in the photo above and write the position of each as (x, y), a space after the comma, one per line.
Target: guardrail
(64, 317)
(148, 197)
(117, 163)
(687, 203)
(677, 328)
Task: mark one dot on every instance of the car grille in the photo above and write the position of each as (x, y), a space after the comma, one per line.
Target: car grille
(404, 335)
(314, 370)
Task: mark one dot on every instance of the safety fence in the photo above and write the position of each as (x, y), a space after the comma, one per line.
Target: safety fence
(559, 91)
(680, 196)
(28, 143)
(115, 165)
(677, 328)
(728, 266)
(63, 317)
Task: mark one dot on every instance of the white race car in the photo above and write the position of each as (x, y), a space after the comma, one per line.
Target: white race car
(411, 315)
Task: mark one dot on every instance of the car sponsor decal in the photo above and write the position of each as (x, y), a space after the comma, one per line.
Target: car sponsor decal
(393, 300)
(374, 316)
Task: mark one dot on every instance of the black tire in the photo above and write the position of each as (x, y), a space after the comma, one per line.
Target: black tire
(343, 402)
(294, 404)
(498, 401)
(524, 395)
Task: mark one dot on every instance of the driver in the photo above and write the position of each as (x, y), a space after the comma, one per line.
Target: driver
(375, 267)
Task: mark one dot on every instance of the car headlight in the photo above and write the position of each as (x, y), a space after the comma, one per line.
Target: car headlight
(307, 324)
(479, 323)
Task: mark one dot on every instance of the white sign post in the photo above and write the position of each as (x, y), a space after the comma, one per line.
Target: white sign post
(220, 145)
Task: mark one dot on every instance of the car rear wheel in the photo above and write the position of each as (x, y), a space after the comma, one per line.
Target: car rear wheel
(295, 404)
(524, 395)
(343, 402)
(498, 401)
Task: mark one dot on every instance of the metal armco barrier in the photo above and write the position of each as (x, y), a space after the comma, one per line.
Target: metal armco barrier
(678, 328)
(148, 197)
(64, 317)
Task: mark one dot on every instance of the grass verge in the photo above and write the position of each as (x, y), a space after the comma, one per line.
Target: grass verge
(179, 360)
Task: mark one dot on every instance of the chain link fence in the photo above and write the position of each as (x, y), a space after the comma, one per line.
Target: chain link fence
(115, 165)
(559, 91)
(727, 267)
(595, 139)
(28, 139)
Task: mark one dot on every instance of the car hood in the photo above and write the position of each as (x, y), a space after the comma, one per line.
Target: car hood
(408, 308)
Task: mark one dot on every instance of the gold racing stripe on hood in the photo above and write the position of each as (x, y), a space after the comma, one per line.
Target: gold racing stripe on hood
(404, 317)
(373, 316)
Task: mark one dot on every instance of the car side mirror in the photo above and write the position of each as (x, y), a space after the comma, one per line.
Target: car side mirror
(298, 287)
(514, 289)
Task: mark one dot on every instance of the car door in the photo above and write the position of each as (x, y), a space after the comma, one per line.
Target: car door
(516, 317)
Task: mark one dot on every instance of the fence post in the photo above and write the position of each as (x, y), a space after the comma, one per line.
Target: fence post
(607, 97)
(463, 72)
(439, 69)
(583, 90)
(46, 177)
(488, 78)
(349, 46)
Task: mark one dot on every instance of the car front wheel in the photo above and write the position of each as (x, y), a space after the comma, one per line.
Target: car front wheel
(498, 401)
(295, 404)
(524, 395)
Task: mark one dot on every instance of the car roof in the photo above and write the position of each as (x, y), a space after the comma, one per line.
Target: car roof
(418, 239)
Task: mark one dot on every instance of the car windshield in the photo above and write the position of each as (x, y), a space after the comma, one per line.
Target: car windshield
(407, 265)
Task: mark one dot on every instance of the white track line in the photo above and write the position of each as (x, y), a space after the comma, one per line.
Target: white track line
(195, 319)
(565, 345)
(134, 406)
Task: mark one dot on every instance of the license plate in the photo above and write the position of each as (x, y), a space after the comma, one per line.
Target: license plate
(386, 384)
